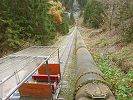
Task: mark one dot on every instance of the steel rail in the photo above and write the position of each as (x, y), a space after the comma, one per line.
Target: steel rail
(69, 44)
(33, 58)
(69, 39)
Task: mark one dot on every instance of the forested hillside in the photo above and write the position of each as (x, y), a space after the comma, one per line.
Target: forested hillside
(30, 22)
(107, 26)
(111, 15)
(68, 4)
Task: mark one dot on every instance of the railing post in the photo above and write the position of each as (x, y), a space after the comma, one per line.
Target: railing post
(58, 55)
(49, 80)
(1, 90)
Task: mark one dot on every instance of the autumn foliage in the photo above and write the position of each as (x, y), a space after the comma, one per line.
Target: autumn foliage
(56, 11)
(24, 23)
(57, 15)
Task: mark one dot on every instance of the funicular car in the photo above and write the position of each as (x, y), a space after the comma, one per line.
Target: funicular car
(32, 72)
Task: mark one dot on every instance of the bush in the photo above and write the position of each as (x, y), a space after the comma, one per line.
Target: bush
(128, 36)
(82, 3)
(63, 28)
(128, 33)
(9, 36)
(126, 30)
(93, 15)
(121, 85)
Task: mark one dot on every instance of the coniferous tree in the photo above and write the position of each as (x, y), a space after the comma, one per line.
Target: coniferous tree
(24, 23)
(93, 15)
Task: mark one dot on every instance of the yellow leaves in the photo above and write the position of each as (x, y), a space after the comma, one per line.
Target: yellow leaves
(57, 15)
(57, 4)
(58, 18)
(56, 10)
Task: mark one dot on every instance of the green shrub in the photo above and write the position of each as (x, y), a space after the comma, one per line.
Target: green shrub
(128, 32)
(23, 21)
(93, 15)
(125, 29)
(128, 36)
(113, 75)
(82, 3)
(63, 28)
(9, 37)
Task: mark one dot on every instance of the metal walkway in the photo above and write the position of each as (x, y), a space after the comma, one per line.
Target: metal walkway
(17, 68)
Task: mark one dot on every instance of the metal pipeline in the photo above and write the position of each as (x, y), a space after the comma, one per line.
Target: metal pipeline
(90, 84)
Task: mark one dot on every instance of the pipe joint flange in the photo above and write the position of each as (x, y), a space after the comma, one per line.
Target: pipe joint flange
(85, 73)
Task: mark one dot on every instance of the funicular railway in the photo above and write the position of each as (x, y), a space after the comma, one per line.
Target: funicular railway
(37, 72)
(30, 75)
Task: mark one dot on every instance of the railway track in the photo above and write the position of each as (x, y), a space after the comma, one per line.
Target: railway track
(16, 67)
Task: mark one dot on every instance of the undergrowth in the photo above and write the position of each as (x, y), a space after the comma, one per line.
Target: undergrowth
(121, 84)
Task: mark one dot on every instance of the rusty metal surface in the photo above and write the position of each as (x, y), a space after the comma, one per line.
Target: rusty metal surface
(90, 84)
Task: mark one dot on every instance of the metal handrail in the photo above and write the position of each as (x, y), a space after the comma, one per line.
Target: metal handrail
(45, 60)
(25, 79)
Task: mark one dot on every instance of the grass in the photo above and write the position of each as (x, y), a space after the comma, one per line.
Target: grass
(115, 60)
(120, 84)
(68, 92)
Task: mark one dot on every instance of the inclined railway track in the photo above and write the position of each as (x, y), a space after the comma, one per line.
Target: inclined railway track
(17, 68)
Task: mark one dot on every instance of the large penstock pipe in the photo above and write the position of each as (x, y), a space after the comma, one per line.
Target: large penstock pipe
(90, 84)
